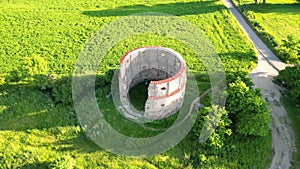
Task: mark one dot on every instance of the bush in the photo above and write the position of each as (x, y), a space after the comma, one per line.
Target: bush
(14, 76)
(247, 110)
(212, 127)
(34, 66)
(290, 79)
(16, 158)
(290, 50)
(62, 90)
(243, 76)
(63, 162)
(33, 69)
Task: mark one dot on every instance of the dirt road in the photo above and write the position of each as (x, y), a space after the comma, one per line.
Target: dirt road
(283, 140)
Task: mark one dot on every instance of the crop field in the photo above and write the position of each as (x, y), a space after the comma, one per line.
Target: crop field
(275, 22)
(40, 42)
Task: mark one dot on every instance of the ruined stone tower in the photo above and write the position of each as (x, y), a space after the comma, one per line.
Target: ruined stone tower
(166, 71)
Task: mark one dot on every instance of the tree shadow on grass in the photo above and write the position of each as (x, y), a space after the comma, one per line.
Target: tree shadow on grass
(273, 8)
(178, 9)
(26, 106)
(79, 144)
(27, 109)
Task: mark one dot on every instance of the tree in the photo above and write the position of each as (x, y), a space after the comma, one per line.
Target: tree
(290, 49)
(248, 111)
(212, 127)
(290, 79)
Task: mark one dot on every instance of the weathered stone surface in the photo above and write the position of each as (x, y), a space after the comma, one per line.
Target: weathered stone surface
(166, 71)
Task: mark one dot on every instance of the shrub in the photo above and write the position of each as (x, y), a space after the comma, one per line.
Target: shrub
(63, 162)
(16, 158)
(243, 76)
(33, 67)
(212, 125)
(62, 90)
(290, 79)
(14, 76)
(290, 49)
(247, 110)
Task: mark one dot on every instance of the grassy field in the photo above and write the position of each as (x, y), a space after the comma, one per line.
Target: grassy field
(274, 21)
(45, 37)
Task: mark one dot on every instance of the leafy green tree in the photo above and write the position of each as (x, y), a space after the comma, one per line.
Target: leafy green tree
(61, 87)
(212, 126)
(234, 76)
(247, 110)
(290, 49)
(290, 79)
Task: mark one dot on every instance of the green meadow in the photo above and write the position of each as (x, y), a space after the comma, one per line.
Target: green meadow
(278, 24)
(40, 42)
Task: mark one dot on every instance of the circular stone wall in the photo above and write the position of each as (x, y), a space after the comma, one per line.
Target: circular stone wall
(166, 71)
